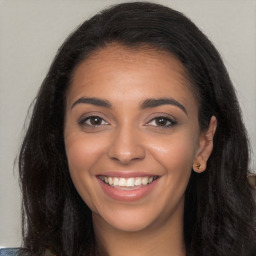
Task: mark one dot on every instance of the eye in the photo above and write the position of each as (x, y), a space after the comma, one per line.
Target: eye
(162, 121)
(93, 121)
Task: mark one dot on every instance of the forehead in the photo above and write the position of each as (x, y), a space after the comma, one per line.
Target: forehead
(117, 68)
(144, 55)
(137, 54)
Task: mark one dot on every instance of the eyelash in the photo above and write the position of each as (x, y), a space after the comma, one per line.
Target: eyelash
(167, 122)
(83, 121)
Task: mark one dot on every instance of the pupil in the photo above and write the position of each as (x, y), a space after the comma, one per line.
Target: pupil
(96, 121)
(161, 121)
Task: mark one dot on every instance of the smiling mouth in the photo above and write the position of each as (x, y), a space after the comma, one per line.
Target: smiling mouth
(128, 183)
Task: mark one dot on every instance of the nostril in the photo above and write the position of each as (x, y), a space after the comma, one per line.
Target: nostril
(125, 157)
(126, 145)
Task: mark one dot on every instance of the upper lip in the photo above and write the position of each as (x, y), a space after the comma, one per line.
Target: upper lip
(127, 174)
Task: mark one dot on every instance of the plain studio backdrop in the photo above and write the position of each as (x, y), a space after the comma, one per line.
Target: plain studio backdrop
(32, 31)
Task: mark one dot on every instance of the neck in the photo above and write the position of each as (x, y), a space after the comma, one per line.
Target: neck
(165, 240)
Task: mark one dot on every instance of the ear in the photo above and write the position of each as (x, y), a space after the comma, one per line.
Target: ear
(205, 147)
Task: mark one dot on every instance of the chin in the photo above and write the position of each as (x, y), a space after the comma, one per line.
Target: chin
(130, 219)
(131, 225)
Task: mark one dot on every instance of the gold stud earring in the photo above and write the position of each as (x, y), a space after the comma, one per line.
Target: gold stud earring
(198, 166)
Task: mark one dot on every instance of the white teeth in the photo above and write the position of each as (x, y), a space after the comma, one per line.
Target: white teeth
(127, 182)
(145, 180)
(122, 182)
(110, 181)
(130, 182)
(116, 182)
(138, 181)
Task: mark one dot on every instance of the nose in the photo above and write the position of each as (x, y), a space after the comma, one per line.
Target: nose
(126, 146)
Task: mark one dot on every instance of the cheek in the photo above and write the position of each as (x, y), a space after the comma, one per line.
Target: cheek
(82, 155)
(82, 152)
(176, 155)
(177, 151)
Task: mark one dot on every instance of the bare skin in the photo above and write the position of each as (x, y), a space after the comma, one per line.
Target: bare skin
(130, 115)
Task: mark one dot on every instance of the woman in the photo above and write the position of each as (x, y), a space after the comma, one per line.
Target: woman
(136, 144)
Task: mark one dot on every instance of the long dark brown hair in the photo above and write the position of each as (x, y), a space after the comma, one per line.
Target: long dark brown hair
(219, 207)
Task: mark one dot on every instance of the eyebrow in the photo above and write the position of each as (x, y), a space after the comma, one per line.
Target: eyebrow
(148, 103)
(152, 103)
(93, 101)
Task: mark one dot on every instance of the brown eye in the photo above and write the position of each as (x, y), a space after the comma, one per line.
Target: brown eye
(94, 121)
(162, 121)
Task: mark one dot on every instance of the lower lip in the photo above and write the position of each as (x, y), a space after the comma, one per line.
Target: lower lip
(127, 195)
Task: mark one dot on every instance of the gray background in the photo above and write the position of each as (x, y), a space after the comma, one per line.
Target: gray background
(31, 32)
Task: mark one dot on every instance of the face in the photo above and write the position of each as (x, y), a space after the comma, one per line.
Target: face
(131, 136)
